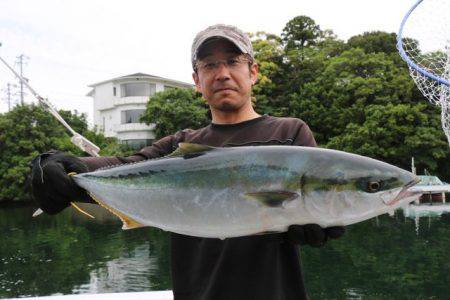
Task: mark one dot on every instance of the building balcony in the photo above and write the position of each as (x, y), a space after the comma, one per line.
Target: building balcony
(129, 127)
(131, 100)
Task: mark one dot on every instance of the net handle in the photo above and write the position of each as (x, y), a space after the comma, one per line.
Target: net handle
(406, 57)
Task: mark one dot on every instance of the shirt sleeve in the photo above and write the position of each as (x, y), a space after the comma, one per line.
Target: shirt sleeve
(159, 148)
(304, 136)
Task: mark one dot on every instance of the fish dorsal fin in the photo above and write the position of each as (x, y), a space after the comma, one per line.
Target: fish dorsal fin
(190, 149)
(272, 198)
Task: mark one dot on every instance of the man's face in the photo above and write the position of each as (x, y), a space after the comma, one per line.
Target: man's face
(226, 88)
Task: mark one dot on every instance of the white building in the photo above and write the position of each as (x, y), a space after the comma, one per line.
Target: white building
(119, 103)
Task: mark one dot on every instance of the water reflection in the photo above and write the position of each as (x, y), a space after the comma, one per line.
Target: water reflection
(383, 257)
(387, 259)
(70, 253)
(428, 211)
(130, 272)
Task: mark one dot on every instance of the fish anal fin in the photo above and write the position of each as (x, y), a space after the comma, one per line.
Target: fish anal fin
(272, 198)
(128, 223)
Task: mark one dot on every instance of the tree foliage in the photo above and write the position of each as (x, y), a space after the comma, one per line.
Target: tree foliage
(357, 96)
(300, 32)
(374, 42)
(175, 109)
(28, 130)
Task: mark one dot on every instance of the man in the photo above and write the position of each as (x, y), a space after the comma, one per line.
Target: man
(252, 267)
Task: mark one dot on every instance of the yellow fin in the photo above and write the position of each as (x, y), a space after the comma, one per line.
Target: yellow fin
(128, 223)
(81, 211)
(189, 148)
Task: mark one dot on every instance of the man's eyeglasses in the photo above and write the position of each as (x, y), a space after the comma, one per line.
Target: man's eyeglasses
(232, 63)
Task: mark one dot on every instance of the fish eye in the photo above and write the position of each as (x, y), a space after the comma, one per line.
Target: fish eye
(373, 186)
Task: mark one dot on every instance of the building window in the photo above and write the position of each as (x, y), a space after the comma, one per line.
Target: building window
(114, 91)
(137, 89)
(168, 87)
(131, 116)
(137, 144)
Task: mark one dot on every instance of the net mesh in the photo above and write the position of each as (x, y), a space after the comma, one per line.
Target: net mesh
(426, 42)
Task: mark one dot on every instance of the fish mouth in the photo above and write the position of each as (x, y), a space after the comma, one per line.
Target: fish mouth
(404, 192)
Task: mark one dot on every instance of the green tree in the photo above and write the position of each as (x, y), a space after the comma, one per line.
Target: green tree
(284, 72)
(349, 83)
(300, 32)
(269, 56)
(175, 109)
(394, 133)
(28, 130)
(374, 42)
(77, 121)
(356, 96)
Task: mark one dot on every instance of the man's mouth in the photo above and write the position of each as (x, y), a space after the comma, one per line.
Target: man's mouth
(224, 90)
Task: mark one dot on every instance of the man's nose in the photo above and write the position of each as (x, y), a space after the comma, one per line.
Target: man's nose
(222, 72)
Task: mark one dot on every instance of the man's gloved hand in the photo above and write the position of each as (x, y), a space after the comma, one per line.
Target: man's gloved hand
(52, 188)
(313, 234)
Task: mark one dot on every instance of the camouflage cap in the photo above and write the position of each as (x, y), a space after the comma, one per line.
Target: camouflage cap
(231, 33)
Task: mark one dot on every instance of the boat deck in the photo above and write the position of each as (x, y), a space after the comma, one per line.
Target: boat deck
(156, 295)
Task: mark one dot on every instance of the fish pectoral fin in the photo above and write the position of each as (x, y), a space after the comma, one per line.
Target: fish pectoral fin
(272, 198)
(189, 150)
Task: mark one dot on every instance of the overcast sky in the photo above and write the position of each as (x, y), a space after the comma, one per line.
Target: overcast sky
(71, 44)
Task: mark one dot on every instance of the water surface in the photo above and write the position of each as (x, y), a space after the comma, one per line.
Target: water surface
(387, 258)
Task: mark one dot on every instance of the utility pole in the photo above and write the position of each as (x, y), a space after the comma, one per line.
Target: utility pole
(8, 94)
(21, 61)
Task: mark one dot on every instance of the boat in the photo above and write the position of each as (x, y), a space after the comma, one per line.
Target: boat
(154, 295)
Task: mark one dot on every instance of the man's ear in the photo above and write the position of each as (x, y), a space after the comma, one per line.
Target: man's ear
(197, 82)
(254, 70)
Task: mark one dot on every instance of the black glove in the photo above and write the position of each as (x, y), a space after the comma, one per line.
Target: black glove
(313, 234)
(52, 188)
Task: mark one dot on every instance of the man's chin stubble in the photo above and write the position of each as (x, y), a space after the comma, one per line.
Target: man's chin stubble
(227, 107)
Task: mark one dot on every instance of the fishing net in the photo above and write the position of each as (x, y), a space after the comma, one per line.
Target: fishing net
(424, 43)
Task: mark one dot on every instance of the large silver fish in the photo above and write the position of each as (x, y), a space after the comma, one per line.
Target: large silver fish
(228, 192)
